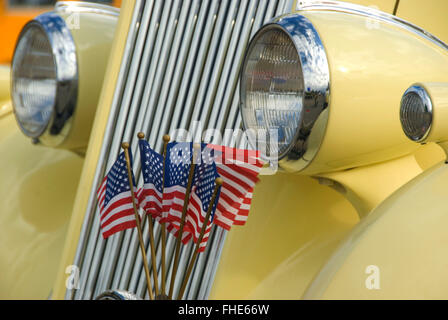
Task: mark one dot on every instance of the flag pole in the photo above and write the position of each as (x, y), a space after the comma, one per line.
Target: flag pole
(166, 140)
(218, 184)
(125, 147)
(141, 135)
(196, 148)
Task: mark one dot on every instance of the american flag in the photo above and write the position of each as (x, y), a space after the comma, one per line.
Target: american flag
(150, 195)
(115, 199)
(178, 163)
(239, 169)
(201, 195)
(177, 168)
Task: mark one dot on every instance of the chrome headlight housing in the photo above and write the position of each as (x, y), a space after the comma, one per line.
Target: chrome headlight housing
(284, 88)
(44, 77)
(416, 113)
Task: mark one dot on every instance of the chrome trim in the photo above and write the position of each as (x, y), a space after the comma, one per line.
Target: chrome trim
(117, 295)
(64, 55)
(421, 92)
(89, 7)
(316, 80)
(340, 6)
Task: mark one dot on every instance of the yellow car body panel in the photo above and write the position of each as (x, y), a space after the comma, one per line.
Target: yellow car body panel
(4, 83)
(38, 187)
(405, 238)
(296, 224)
(5, 100)
(383, 5)
(429, 15)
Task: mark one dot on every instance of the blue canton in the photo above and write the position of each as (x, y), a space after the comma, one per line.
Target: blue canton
(204, 179)
(152, 165)
(117, 178)
(178, 161)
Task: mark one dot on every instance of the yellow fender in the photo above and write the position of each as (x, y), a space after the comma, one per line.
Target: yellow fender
(399, 251)
(37, 190)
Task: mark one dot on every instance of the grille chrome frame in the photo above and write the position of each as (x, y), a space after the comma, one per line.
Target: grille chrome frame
(168, 79)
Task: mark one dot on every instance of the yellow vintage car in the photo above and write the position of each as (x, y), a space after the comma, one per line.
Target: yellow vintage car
(352, 202)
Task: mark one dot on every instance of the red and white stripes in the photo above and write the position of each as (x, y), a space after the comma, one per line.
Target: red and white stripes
(118, 214)
(239, 170)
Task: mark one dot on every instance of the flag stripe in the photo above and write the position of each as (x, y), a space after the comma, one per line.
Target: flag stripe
(118, 216)
(120, 199)
(119, 227)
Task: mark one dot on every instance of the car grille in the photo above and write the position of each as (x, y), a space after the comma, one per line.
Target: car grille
(181, 65)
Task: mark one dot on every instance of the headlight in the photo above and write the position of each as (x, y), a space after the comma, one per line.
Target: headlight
(44, 77)
(416, 113)
(285, 86)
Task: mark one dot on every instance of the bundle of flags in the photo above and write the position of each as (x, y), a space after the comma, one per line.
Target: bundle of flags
(188, 189)
(163, 193)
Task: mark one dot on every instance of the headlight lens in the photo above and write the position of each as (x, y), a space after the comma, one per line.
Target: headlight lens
(284, 88)
(45, 78)
(273, 86)
(416, 113)
(35, 84)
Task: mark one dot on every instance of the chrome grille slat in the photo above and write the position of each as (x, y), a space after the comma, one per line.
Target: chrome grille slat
(170, 244)
(181, 64)
(110, 254)
(202, 74)
(230, 66)
(190, 72)
(130, 240)
(213, 64)
(219, 37)
(168, 97)
(138, 126)
(162, 45)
